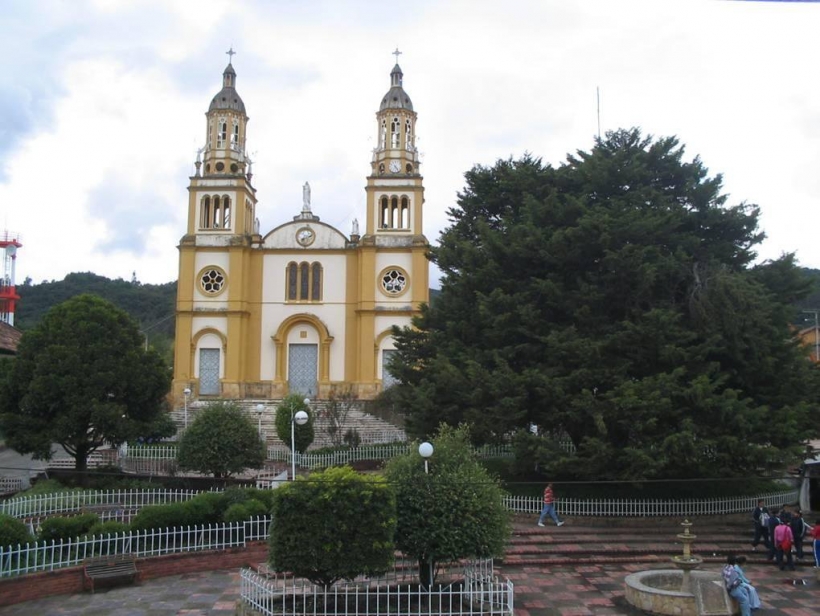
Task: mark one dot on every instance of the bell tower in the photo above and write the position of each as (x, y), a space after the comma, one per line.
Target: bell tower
(395, 193)
(222, 199)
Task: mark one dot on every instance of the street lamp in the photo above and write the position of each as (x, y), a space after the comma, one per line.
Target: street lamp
(260, 408)
(296, 418)
(187, 392)
(425, 451)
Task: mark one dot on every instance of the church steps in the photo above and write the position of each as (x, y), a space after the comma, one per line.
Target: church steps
(586, 541)
(367, 425)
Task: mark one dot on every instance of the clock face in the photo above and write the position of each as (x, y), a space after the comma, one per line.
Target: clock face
(395, 166)
(305, 236)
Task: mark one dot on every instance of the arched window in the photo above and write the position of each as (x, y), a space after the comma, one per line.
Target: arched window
(385, 213)
(217, 213)
(316, 282)
(395, 133)
(226, 212)
(394, 212)
(205, 213)
(304, 281)
(408, 135)
(235, 136)
(222, 136)
(293, 278)
(405, 213)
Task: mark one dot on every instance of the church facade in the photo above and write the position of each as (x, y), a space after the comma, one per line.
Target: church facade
(302, 308)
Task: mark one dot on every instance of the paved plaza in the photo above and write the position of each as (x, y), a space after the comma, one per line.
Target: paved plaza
(555, 590)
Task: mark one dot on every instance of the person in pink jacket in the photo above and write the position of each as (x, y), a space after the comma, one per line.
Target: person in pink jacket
(783, 542)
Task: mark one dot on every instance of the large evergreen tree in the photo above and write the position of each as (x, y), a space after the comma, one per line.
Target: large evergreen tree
(81, 378)
(612, 299)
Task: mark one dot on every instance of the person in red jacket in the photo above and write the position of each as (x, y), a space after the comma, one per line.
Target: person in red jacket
(549, 507)
(783, 542)
(815, 535)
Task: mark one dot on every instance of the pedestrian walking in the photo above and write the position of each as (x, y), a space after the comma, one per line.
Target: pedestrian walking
(549, 507)
(760, 515)
(773, 523)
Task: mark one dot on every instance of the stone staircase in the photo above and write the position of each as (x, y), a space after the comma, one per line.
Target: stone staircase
(635, 540)
(371, 429)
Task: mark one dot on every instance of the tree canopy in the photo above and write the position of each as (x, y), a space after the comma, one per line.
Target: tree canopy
(221, 441)
(615, 300)
(454, 511)
(81, 378)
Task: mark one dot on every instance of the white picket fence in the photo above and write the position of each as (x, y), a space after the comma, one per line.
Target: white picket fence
(11, 485)
(41, 505)
(156, 459)
(35, 557)
(603, 507)
(478, 591)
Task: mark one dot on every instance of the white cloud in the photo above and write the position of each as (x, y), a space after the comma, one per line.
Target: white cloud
(121, 102)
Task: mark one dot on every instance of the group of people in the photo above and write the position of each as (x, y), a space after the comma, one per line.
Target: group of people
(782, 531)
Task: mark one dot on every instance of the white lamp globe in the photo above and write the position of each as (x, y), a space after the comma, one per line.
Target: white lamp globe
(426, 450)
(300, 418)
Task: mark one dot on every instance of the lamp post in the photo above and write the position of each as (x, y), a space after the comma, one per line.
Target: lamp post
(296, 418)
(260, 408)
(425, 451)
(187, 392)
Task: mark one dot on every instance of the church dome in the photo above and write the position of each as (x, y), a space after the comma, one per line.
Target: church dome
(396, 97)
(228, 97)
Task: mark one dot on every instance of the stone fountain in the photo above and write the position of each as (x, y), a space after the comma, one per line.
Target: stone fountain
(682, 591)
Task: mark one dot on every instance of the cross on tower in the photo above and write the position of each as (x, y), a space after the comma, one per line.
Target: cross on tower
(231, 53)
(397, 53)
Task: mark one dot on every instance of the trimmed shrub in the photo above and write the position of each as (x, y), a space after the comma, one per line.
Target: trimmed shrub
(239, 512)
(160, 516)
(64, 528)
(336, 525)
(13, 531)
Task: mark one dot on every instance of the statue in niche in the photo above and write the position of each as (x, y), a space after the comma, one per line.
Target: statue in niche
(355, 226)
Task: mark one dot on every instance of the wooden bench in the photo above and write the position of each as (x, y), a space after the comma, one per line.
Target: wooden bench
(113, 567)
(102, 508)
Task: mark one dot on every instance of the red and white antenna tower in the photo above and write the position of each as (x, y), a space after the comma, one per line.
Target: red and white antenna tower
(9, 243)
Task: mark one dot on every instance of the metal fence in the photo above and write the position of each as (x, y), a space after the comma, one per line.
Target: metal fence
(40, 505)
(601, 507)
(10, 485)
(291, 596)
(47, 556)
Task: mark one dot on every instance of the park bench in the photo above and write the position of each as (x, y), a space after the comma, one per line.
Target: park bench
(113, 567)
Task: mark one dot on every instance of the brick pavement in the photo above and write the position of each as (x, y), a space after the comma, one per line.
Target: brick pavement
(552, 583)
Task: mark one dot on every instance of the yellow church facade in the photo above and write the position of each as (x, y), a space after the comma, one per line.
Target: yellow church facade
(302, 308)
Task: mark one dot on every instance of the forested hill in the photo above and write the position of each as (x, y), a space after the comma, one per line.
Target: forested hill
(151, 305)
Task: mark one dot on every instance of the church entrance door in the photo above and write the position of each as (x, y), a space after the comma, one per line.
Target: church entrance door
(303, 364)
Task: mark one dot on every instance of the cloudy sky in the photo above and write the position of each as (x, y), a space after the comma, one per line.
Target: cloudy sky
(104, 102)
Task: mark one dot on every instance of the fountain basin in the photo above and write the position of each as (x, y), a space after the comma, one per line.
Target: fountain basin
(659, 592)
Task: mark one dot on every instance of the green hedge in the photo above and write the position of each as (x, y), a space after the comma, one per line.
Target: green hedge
(64, 528)
(13, 531)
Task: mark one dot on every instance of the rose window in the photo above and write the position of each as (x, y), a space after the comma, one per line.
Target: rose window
(212, 281)
(394, 281)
